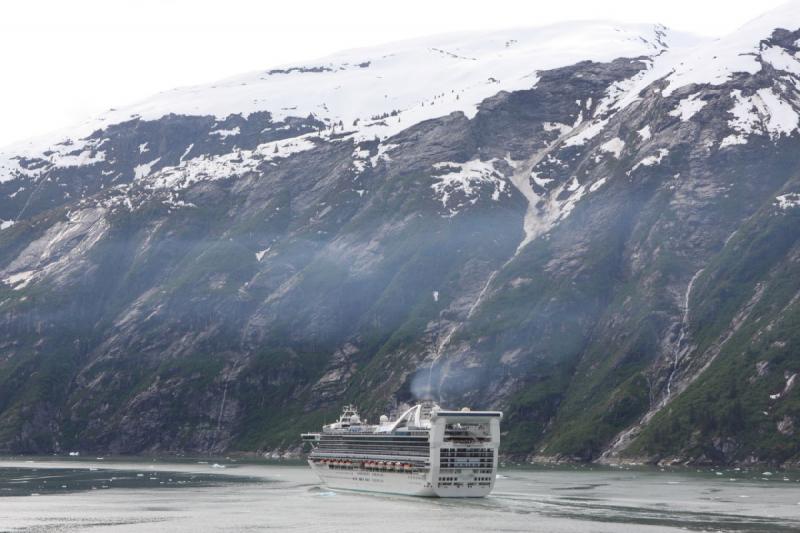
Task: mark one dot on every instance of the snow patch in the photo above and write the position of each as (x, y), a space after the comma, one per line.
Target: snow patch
(790, 379)
(226, 133)
(597, 184)
(84, 158)
(782, 118)
(788, 201)
(383, 154)
(541, 182)
(764, 112)
(143, 170)
(651, 160)
(588, 132)
(547, 208)
(186, 153)
(260, 254)
(230, 165)
(644, 133)
(19, 280)
(733, 140)
(688, 107)
(562, 129)
(780, 59)
(465, 180)
(614, 146)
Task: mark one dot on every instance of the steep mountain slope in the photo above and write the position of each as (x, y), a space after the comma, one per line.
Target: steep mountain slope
(592, 227)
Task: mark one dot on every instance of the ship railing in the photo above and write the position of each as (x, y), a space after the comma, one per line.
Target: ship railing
(376, 457)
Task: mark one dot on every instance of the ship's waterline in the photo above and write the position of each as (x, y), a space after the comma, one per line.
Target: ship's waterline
(426, 451)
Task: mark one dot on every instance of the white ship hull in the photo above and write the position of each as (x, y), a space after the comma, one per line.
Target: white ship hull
(410, 484)
(427, 451)
(403, 483)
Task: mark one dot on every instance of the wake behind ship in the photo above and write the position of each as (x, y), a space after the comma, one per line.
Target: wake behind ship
(426, 451)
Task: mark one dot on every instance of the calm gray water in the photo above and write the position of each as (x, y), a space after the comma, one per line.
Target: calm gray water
(45, 495)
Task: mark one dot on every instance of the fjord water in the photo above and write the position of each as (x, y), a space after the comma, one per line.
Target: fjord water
(196, 495)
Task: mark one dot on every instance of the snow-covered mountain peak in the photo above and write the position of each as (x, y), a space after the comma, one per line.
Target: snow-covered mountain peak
(741, 51)
(379, 91)
(382, 90)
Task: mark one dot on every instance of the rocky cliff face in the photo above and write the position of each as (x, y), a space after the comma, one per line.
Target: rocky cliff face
(597, 234)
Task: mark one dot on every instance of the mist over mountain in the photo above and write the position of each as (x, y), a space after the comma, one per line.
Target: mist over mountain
(593, 227)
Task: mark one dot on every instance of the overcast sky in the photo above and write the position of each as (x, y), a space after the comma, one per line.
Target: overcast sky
(62, 60)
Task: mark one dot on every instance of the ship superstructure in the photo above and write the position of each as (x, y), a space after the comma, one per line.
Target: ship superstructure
(426, 451)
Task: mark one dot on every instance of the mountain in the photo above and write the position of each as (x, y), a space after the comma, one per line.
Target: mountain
(594, 227)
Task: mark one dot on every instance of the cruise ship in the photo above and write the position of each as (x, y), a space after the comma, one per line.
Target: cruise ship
(426, 451)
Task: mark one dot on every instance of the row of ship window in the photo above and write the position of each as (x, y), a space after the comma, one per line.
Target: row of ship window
(461, 484)
(466, 452)
(475, 470)
(451, 478)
